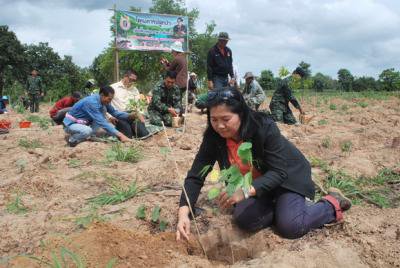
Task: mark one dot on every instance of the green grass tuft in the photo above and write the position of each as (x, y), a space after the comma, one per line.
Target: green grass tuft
(117, 195)
(118, 152)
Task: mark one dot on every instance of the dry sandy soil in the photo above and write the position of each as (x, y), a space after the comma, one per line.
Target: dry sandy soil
(55, 190)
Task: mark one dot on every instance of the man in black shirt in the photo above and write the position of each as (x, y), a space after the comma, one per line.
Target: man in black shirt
(219, 63)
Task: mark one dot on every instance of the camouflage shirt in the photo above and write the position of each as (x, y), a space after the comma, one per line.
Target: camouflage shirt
(253, 94)
(34, 85)
(283, 95)
(164, 98)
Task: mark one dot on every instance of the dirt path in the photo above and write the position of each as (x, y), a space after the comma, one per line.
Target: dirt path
(54, 183)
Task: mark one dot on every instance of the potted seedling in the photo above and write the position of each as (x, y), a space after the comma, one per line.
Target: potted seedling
(231, 179)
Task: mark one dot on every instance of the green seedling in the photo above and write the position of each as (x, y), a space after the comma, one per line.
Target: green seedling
(163, 225)
(117, 195)
(21, 165)
(112, 263)
(61, 260)
(30, 144)
(16, 206)
(74, 163)
(141, 212)
(231, 177)
(118, 152)
(344, 107)
(326, 142)
(362, 104)
(137, 105)
(91, 217)
(322, 122)
(346, 146)
(155, 214)
(333, 107)
(164, 151)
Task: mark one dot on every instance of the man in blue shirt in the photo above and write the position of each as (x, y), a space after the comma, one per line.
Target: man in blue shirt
(3, 105)
(88, 114)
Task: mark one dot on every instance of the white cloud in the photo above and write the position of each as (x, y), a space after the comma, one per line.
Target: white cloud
(361, 35)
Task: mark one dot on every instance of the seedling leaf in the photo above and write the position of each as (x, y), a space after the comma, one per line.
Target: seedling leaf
(155, 215)
(213, 193)
(244, 152)
(214, 175)
(141, 212)
(163, 225)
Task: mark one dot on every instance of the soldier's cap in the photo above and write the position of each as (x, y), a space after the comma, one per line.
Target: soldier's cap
(223, 36)
(248, 75)
(177, 46)
(192, 74)
(4, 98)
(300, 71)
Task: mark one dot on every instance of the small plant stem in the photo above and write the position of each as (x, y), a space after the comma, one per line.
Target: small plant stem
(185, 193)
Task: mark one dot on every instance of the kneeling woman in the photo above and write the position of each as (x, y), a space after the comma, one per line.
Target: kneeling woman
(282, 175)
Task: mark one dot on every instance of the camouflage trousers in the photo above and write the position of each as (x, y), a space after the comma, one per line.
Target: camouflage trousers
(282, 113)
(156, 118)
(34, 100)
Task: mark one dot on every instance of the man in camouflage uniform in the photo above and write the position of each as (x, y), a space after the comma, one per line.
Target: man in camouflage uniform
(253, 93)
(165, 102)
(279, 105)
(34, 88)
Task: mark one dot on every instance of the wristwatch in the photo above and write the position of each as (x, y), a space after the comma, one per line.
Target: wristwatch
(245, 192)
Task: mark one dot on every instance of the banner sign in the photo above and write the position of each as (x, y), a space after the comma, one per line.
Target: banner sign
(150, 32)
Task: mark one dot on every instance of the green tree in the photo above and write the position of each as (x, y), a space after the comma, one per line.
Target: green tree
(322, 82)
(390, 80)
(364, 83)
(267, 80)
(12, 60)
(345, 79)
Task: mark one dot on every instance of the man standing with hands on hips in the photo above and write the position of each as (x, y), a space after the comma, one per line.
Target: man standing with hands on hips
(219, 64)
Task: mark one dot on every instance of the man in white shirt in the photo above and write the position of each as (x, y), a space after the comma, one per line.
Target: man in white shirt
(125, 90)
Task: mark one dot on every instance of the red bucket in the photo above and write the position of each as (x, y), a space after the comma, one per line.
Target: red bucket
(25, 124)
(5, 124)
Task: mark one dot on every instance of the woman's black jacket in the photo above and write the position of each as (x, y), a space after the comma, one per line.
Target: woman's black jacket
(280, 162)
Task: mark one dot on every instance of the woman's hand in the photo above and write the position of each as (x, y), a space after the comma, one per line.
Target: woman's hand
(225, 202)
(183, 226)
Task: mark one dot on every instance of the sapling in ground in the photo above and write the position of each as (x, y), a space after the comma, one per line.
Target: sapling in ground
(231, 179)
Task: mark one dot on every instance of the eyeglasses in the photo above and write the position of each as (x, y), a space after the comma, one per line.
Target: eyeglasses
(224, 95)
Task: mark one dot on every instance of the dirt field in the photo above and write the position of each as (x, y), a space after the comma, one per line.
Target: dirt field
(54, 183)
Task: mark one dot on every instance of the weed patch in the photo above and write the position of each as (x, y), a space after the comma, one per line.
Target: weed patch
(326, 142)
(116, 195)
(322, 122)
(16, 206)
(30, 144)
(118, 152)
(346, 146)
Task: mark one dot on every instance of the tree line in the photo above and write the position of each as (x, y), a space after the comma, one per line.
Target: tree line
(61, 76)
(389, 80)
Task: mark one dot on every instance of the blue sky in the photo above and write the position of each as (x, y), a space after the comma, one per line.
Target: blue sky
(361, 35)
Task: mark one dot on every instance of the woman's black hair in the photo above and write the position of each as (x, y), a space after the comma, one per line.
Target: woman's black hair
(235, 102)
(106, 91)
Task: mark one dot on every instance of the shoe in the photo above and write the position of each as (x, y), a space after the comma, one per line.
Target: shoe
(344, 202)
(72, 143)
(340, 203)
